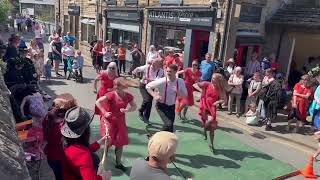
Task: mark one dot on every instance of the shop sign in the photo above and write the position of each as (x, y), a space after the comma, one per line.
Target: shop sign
(170, 2)
(74, 10)
(133, 16)
(250, 14)
(202, 18)
(131, 2)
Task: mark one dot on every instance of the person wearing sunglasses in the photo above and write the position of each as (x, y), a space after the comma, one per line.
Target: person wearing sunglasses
(106, 78)
(191, 76)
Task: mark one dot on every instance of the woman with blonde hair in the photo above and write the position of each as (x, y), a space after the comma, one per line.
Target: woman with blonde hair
(211, 93)
(106, 77)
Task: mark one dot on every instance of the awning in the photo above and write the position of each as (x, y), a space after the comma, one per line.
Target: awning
(133, 27)
(88, 21)
(250, 40)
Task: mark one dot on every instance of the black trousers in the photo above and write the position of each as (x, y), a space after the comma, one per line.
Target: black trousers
(65, 66)
(146, 105)
(105, 65)
(167, 114)
(122, 64)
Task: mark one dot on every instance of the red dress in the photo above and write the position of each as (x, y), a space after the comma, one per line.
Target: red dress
(106, 85)
(190, 79)
(78, 162)
(116, 123)
(302, 104)
(209, 97)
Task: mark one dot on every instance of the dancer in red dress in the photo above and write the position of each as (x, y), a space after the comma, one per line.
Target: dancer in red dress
(210, 98)
(191, 76)
(113, 107)
(106, 77)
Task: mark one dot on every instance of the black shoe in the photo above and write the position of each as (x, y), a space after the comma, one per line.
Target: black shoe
(268, 127)
(121, 167)
(229, 113)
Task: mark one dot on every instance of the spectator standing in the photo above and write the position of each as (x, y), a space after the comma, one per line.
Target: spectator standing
(136, 54)
(229, 68)
(254, 90)
(152, 54)
(252, 66)
(107, 55)
(207, 68)
(80, 61)
(98, 55)
(268, 78)
(122, 58)
(12, 49)
(235, 81)
(56, 53)
(92, 44)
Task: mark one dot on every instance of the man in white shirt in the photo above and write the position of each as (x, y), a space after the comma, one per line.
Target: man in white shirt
(168, 89)
(150, 72)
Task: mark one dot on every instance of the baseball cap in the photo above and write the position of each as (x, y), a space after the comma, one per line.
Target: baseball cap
(162, 145)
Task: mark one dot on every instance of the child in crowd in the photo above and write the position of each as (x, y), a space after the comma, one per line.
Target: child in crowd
(80, 61)
(47, 69)
(37, 65)
(252, 115)
(253, 90)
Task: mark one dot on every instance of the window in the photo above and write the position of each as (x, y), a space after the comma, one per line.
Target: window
(87, 29)
(66, 24)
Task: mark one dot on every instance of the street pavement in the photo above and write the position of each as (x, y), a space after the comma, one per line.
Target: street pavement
(239, 154)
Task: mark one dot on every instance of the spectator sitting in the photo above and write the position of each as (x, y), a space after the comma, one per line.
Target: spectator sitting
(207, 68)
(252, 116)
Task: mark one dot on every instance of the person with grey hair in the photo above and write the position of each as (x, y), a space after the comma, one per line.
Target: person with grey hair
(152, 54)
(235, 81)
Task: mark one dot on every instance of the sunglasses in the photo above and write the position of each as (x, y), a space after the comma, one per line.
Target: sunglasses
(195, 65)
(112, 68)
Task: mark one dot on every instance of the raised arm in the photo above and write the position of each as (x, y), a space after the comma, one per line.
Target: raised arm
(198, 86)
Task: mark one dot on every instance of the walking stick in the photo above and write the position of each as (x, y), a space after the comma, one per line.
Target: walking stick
(179, 171)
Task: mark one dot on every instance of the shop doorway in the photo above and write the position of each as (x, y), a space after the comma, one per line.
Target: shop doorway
(200, 45)
(244, 53)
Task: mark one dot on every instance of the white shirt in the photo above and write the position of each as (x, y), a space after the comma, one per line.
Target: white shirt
(149, 74)
(107, 54)
(168, 90)
(151, 56)
(68, 50)
(50, 46)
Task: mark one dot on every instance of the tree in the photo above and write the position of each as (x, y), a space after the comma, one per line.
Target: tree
(5, 8)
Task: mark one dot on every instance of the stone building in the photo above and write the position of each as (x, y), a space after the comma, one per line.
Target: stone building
(293, 33)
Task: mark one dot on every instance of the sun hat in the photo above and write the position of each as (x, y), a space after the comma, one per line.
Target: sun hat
(64, 101)
(76, 121)
(108, 41)
(162, 145)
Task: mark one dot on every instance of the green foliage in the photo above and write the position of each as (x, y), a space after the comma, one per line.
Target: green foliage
(5, 8)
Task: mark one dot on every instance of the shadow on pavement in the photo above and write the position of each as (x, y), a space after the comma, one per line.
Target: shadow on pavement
(203, 161)
(241, 155)
(230, 130)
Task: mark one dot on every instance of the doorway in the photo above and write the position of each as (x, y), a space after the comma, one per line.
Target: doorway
(200, 45)
(245, 52)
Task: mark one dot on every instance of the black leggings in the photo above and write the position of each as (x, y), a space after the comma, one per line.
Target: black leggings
(65, 66)
(122, 64)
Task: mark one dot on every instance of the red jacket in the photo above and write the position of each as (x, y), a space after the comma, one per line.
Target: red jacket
(79, 163)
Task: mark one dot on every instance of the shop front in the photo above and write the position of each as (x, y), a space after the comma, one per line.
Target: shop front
(187, 29)
(124, 27)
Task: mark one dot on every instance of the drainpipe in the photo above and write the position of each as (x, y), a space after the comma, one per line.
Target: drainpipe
(226, 31)
(147, 26)
(97, 19)
(279, 44)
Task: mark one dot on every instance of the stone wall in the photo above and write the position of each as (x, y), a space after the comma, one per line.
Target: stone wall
(12, 166)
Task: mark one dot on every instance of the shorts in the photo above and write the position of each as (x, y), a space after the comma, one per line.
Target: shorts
(56, 57)
(97, 60)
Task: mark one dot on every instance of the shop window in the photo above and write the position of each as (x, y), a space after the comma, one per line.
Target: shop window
(87, 29)
(168, 36)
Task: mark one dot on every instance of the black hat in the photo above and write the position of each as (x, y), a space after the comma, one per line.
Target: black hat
(76, 121)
